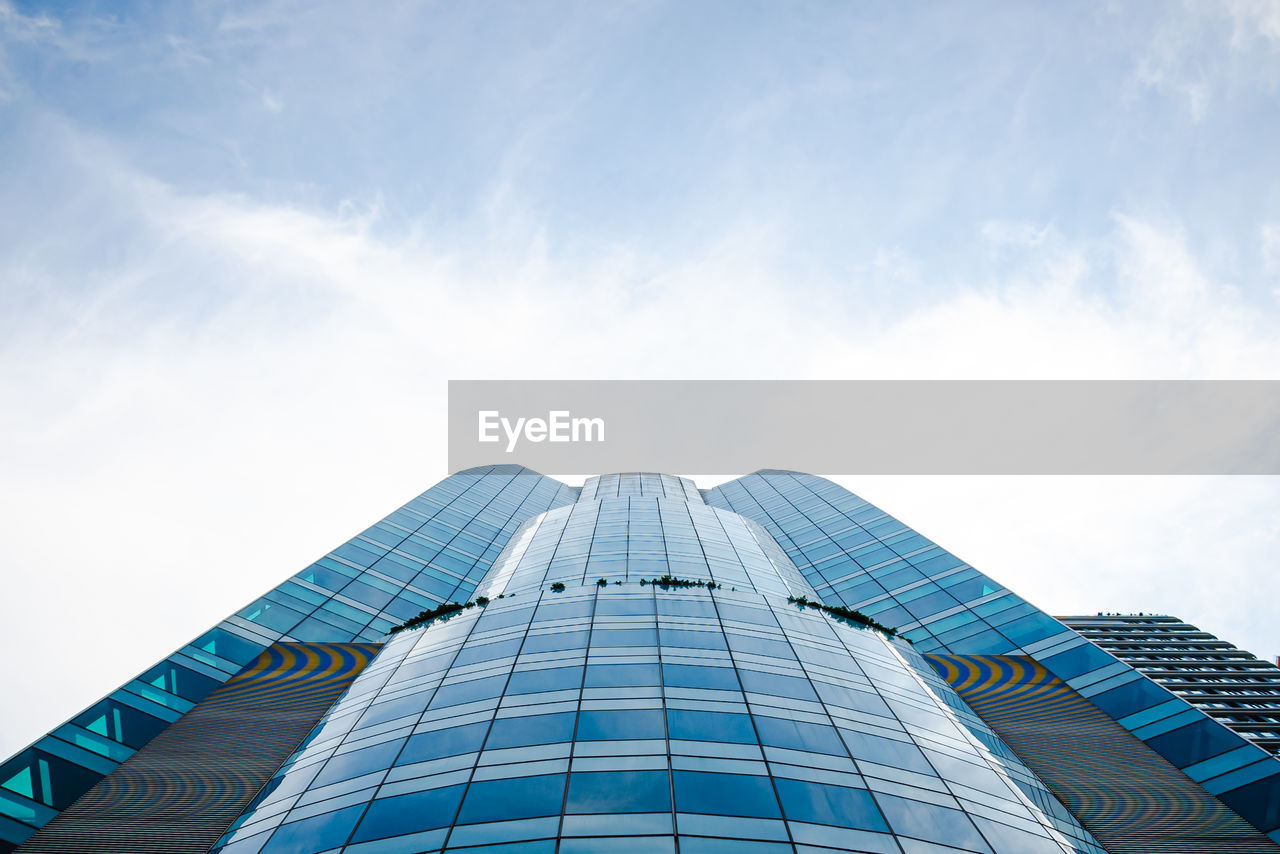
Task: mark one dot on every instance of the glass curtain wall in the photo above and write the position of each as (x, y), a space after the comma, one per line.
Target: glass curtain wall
(578, 706)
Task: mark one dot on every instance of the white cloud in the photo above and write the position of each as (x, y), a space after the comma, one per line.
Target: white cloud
(1201, 51)
(205, 389)
(1253, 19)
(26, 28)
(239, 385)
(16, 28)
(1269, 233)
(1169, 66)
(1022, 234)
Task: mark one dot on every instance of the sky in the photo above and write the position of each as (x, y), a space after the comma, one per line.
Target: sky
(243, 247)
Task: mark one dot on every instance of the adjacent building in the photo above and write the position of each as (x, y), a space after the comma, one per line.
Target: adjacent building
(772, 665)
(1230, 685)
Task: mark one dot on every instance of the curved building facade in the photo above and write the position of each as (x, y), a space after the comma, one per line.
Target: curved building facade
(585, 708)
(637, 665)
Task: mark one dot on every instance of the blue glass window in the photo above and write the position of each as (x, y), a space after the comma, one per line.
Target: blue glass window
(358, 555)
(599, 845)
(517, 797)
(273, 615)
(49, 779)
(858, 589)
(970, 587)
(318, 833)
(931, 822)
(443, 742)
(777, 685)
(118, 722)
(226, 645)
(392, 709)
(454, 561)
(750, 616)
(469, 692)
(347, 765)
(473, 653)
(410, 813)
(419, 548)
(697, 676)
(548, 611)
(1134, 696)
(624, 637)
(709, 845)
(401, 608)
(1001, 616)
(1031, 628)
(621, 675)
(886, 751)
(494, 618)
(670, 606)
(799, 735)
(1082, 659)
(550, 679)
(1259, 802)
(398, 567)
(367, 594)
(1190, 744)
(773, 646)
(530, 729)
(988, 642)
(613, 606)
(613, 724)
(326, 578)
(892, 616)
(321, 624)
(977, 776)
(931, 603)
(725, 794)
(434, 584)
(935, 565)
(897, 576)
(619, 792)
(710, 726)
(875, 554)
(850, 698)
(557, 642)
(690, 639)
(819, 803)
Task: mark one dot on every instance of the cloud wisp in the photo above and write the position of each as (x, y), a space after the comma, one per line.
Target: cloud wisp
(244, 254)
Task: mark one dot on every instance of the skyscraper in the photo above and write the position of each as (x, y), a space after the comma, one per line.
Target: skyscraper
(1230, 685)
(432, 550)
(638, 665)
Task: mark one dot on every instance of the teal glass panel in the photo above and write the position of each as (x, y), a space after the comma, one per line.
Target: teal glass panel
(118, 722)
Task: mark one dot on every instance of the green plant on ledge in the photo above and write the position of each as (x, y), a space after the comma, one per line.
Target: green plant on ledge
(671, 581)
(557, 587)
(439, 612)
(843, 613)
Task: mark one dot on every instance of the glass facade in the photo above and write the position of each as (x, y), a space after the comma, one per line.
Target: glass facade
(432, 550)
(644, 666)
(856, 554)
(180, 792)
(584, 708)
